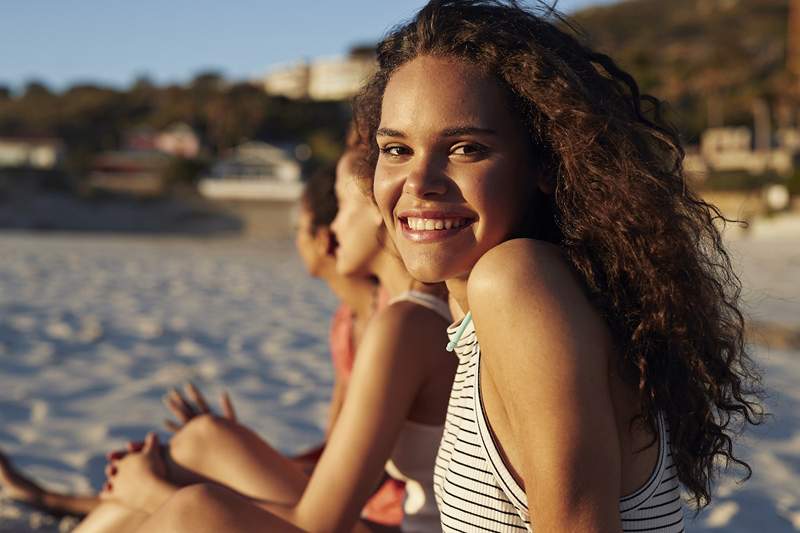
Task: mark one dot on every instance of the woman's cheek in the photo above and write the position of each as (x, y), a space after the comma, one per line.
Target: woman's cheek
(382, 190)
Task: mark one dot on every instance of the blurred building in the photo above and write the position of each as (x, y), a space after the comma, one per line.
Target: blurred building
(129, 172)
(789, 138)
(29, 152)
(179, 140)
(291, 81)
(254, 171)
(731, 149)
(333, 78)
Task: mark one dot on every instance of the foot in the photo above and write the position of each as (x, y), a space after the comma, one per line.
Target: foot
(16, 486)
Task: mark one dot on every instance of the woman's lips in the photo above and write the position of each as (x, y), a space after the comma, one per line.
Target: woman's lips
(432, 227)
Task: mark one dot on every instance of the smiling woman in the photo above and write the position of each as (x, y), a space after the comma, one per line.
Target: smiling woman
(466, 134)
(602, 361)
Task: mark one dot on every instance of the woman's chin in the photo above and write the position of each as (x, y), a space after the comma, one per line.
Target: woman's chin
(428, 272)
(351, 271)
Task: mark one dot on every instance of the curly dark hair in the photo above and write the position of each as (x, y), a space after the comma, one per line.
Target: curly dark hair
(319, 197)
(647, 249)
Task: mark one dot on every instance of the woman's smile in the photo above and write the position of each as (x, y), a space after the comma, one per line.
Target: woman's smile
(432, 225)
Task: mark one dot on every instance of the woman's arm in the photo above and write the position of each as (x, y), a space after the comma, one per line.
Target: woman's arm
(545, 371)
(337, 401)
(394, 359)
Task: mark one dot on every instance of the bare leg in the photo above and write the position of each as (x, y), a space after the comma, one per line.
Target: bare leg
(21, 488)
(215, 449)
(201, 508)
(111, 517)
(207, 449)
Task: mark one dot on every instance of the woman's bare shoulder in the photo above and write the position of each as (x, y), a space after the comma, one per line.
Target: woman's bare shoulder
(523, 293)
(408, 329)
(519, 266)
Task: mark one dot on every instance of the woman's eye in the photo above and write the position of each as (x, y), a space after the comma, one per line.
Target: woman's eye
(470, 150)
(394, 150)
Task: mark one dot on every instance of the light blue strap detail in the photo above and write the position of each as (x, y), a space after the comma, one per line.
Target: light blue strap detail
(460, 331)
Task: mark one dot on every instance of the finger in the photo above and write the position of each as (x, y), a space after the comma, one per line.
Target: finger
(110, 471)
(227, 407)
(179, 406)
(135, 446)
(116, 455)
(106, 492)
(172, 426)
(174, 406)
(176, 409)
(194, 394)
(150, 443)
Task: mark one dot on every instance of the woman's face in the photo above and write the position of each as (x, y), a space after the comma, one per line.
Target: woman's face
(455, 172)
(356, 225)
(311, 245)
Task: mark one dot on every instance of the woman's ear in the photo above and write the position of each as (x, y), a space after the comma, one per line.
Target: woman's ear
(325, 241)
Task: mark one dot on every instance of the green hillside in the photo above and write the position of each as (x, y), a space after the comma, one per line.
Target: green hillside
(696, 53)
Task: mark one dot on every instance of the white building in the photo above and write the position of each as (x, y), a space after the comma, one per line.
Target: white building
(731, 149)
(42, 154)
(254, 171)
(289, 80)
(179, 140)
(332, 78)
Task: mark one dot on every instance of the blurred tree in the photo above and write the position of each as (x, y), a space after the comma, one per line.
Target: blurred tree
(36, 89)
(181, 174)
(208, 81)
(91, 118)
(142, 83)
(365, 50)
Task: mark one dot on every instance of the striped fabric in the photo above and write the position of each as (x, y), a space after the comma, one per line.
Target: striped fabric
(476, 492)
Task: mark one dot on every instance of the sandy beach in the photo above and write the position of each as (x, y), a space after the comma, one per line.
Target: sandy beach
(95, 328)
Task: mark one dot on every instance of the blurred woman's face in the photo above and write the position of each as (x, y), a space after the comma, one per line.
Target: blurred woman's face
(309, 242)
(357, 223)
(454, 177)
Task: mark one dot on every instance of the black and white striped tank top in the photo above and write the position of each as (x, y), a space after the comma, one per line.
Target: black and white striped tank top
(476, 492)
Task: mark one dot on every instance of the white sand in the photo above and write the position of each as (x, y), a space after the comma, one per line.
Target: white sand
(93, 330)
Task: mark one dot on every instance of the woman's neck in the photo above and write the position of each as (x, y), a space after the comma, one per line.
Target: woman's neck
(357, 293)
(392, 274)
(457, 287)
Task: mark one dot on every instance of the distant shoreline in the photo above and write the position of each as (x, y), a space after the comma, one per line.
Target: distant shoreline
(191, 216)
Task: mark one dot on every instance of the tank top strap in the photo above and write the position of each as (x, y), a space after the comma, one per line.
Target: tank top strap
(437, 305)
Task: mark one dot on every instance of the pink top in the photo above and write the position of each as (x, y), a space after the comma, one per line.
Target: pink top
(343, 351)
(342, 347)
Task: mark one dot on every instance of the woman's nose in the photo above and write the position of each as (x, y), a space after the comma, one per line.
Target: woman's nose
(424, 181)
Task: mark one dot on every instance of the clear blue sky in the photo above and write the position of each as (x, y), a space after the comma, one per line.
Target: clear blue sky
(61, 42)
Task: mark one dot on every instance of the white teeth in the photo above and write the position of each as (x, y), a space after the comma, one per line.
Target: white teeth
(431, 224)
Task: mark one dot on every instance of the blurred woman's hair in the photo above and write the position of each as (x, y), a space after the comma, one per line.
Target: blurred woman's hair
(319, 197)
(645, 247)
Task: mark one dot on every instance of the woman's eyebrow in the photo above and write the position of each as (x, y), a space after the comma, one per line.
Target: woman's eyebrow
(388, 132)
(448, 132)
(467, 130)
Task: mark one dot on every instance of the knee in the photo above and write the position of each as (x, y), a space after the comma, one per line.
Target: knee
(193, 508)
(198, 434)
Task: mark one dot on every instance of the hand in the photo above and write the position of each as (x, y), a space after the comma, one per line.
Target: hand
(132, 447)
(185, 409)
(138, 479)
